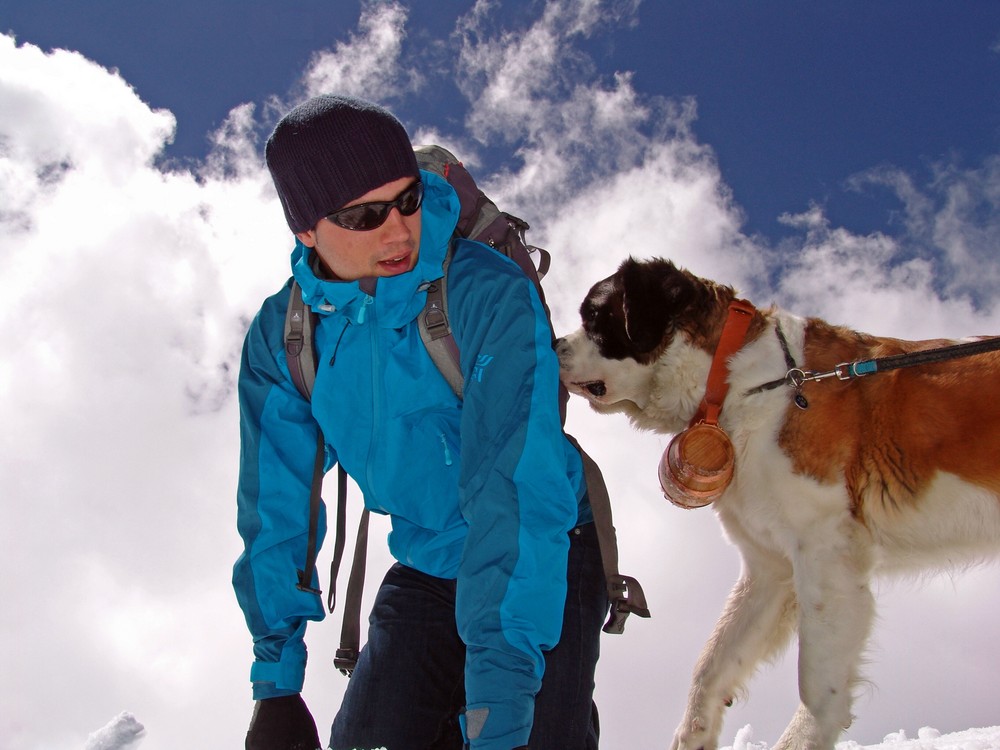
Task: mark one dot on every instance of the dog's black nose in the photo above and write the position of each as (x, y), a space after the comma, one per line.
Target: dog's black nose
(561, 348)
(597, 388)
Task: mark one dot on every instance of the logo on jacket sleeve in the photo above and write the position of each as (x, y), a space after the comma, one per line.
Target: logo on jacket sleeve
(482, 362)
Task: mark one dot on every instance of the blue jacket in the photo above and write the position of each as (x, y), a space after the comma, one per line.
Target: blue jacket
(482, 490)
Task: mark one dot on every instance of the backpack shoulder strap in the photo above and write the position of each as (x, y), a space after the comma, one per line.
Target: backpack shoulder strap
(435, 330)
(299, 324)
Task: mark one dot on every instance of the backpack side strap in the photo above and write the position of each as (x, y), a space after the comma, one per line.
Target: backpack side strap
(346, 657)
(306, 573)
(624, 592)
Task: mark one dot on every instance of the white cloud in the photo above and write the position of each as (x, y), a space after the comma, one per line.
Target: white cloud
(954, 221)
(126, 291)
(368, 63)
(512, 78)
(34, 120)
(938, 277)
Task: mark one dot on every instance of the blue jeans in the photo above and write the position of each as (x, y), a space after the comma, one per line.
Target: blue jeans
(409, 686)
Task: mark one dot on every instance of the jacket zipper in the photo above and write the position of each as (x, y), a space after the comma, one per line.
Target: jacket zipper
(376, 395)
(447, 451)
(364, 307)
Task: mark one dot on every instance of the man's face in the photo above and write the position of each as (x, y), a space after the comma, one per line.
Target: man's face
(387, 250)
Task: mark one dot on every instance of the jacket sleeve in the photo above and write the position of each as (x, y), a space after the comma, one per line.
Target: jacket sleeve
(519, 493)
(278, 447)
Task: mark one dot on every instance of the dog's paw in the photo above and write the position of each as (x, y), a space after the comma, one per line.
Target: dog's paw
(694, 735)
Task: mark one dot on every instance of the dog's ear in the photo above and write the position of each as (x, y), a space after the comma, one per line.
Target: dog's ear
(655, 293)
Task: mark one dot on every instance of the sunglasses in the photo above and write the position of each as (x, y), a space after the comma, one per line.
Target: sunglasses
(366, 216)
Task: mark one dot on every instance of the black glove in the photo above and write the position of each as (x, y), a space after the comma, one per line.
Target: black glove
(282, 723)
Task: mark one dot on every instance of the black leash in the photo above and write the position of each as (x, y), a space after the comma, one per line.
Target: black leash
(929, 356)
(796, 377)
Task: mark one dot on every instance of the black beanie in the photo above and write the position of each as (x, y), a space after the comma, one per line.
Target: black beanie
(331, 150)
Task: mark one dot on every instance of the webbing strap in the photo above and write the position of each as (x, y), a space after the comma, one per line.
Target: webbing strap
(338, 542)
(298, 343)
(306, 574)
(302, 367)
(435, 330)
(734, 333)
(350, 632)
(624, 592)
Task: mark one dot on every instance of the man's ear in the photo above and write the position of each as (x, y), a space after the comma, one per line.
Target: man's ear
(307, 238)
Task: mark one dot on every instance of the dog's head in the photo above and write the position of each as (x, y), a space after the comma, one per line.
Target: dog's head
(630, 320)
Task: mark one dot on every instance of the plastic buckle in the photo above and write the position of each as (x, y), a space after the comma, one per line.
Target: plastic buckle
(346, 660)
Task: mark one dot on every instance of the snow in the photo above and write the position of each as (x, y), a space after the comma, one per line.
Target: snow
(121, 733)
(124, 732)
(927, 739)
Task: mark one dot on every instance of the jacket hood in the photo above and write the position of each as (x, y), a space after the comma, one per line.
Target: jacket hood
(399, 298)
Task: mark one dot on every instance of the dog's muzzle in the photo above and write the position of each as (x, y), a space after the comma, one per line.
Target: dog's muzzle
(595, 388)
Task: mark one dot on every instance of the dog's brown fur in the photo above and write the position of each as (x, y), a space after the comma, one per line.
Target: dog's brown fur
(891, 433)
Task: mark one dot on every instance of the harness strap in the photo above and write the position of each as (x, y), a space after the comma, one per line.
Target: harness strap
(785, 349)
(789, 363)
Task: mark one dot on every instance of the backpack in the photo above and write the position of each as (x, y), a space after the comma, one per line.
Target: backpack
(479, 219)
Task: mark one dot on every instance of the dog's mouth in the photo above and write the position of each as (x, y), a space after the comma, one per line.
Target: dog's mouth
(595, 388)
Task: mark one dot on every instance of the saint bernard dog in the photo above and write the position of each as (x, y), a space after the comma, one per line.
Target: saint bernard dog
(834, 478)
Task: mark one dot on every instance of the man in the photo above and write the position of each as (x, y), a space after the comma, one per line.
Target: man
(491, 526)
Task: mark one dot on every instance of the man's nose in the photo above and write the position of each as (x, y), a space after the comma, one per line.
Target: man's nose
(395, 221)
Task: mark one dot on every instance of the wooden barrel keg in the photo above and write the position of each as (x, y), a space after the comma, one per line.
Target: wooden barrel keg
(697, 466)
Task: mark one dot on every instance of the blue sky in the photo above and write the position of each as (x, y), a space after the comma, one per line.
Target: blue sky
(840, 159)
(793, 97)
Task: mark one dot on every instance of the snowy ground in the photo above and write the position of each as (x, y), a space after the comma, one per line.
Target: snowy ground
(121, 733)
(124, 732)
(926, 739)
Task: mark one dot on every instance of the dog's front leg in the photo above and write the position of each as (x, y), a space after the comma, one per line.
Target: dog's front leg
(755, 624)
(836, 609)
